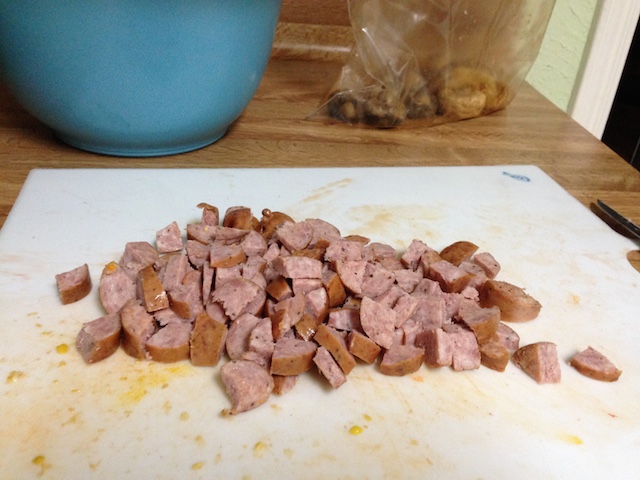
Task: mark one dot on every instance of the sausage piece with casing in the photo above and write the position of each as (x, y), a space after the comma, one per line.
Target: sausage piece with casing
(594, 364)
(540, 361)
(292, 356)
(514, 303)
(247, 384)
(239, 217)
(74, 285)
(170, 343)
(494, 354)
(329, 368)
(270, 222)
(99, 338)
(207, 342)
(150, 290)
(137, 327)
(401, 360)
(335, 343)
(458, 252)
(116, 288)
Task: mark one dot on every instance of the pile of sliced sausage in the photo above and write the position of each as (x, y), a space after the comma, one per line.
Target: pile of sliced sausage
(273, 298)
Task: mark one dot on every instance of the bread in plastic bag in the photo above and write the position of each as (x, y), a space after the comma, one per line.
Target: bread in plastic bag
(435, 61)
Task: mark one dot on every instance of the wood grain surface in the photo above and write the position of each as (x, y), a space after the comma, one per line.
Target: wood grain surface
(278, 129)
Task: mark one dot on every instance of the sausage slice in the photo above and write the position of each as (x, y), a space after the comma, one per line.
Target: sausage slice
(186, 300)
(514, 303)
(329, 368)
(284, 383)
(150, 290)
(74, 285)
(169, 239)
(466, 353)
(279, 289)
(239, 296)
(210, 214)
(335, 343)
(287, 313)
(351, 274)
(539, 361)
(270, 221)
(378, 322)
(377, 280)
(363, 347)
(99, 338)
(137, 326)
(483, 321)
(458, 252)
(207, 340)
(292, 356)
(295, 266)
(335, 289)
(494, 354)
(488, 263)
(438, 347)
(224, 256)
(237, 342)
(450, 277)
(294, 236)
(594, 364)
(136, 256)
(239, 217)
(116, 288)
(401, 360)
(508, 337)
(247, 384)
(260, 343)
(170, 343)
(306, 327)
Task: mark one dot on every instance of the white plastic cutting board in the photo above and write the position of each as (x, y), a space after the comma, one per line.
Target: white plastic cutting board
(123, 418)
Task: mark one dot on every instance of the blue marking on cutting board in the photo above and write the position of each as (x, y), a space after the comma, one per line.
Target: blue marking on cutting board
(520, 178)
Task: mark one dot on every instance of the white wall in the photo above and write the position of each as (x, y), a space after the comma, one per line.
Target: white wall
(558, 65)
(583, 56)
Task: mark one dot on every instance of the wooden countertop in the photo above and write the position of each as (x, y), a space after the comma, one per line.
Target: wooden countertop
(274, 132)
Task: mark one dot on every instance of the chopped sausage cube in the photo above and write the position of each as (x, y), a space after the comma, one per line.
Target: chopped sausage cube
(494, 355)
(74, 285)
(594, 364)
(336, 344)
(514, 303)
(363, 347)
(170, 343)
(247, 384)
(207, 341)
(99, 338)
(292, 356)
(150, 290)
(458, 252)
(378, 322)
(540, 361)
(401, 360)
(329, 368)
(169, 239)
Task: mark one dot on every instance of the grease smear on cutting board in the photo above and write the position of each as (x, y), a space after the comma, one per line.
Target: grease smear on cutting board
(381, 220)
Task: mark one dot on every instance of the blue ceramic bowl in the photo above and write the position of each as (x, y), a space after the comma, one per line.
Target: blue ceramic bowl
(136, 77)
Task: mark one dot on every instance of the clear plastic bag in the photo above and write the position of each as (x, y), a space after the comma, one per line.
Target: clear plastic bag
(435, 60)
